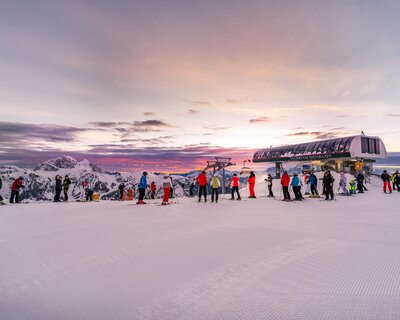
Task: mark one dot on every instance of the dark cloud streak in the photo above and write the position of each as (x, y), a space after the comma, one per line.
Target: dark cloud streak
(17, 132)
(260, 120)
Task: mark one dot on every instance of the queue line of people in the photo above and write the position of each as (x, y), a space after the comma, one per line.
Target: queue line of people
(390, 183)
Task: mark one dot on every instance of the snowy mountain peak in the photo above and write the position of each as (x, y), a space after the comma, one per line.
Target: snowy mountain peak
(90, 166)
(64, 162)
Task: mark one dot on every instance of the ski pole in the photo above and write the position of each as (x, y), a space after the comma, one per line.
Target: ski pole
(265, 187)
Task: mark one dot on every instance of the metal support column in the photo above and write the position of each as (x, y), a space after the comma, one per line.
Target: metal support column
(223, 180)
(278, 169)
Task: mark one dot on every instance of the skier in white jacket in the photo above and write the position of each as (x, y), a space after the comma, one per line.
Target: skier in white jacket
(343, 183)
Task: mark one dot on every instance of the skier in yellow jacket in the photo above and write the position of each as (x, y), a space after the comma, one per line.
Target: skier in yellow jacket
(215, 184)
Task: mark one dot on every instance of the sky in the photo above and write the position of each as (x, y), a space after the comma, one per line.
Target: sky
(165, 85)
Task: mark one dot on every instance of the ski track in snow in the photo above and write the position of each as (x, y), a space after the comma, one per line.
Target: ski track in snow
(259, 259)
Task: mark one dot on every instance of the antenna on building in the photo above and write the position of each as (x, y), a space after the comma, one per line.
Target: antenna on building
(362, 133)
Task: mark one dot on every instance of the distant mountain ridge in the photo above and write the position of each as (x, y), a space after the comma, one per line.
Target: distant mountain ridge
(40, 182)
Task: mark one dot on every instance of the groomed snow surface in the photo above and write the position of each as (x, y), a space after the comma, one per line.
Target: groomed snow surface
(254, 259)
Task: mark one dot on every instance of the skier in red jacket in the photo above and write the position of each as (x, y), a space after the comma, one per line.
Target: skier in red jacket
(16, 186)
(202, 182)
(285, 181)
(252, 181)
(153, 189)
(235, 187)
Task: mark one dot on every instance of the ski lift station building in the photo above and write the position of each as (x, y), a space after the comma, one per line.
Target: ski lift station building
(348, 154)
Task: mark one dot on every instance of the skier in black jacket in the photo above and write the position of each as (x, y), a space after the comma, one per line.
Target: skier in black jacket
(58, 188)
(360, 182)
(397, 180)
(121, 189)
(66, 184)
(386, 181)
(328, 185)
(1, 185)
(191, 188)
(89, 194)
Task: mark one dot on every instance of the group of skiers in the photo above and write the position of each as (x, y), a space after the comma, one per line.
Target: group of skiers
(62, 185)
(311, 181)
(215, 183)
(143, 186)
(390, 183)
(287, 183)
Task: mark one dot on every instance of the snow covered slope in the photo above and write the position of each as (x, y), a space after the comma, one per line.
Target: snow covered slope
(255, 259)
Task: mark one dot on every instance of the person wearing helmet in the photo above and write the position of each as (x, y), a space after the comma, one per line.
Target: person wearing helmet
(142, 188)
(15, 188)
(252, 182)
(121, 189)
(58, 188)
(235, 187)
(314, 185)
(167, 189)
(328, 181)
(343, 183)
(296, 186)
(386, 181)
(153, 189)
(270, 181)
(215, 184)
(285, 181)
(397, 180)
(1, 185)
(202, 182)
(66, 184)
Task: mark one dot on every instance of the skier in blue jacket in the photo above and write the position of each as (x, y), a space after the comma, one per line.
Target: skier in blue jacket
(296, 185)
(313, 182)
(142, 188)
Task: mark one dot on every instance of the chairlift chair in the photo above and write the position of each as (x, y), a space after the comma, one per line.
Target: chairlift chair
(245, 170)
